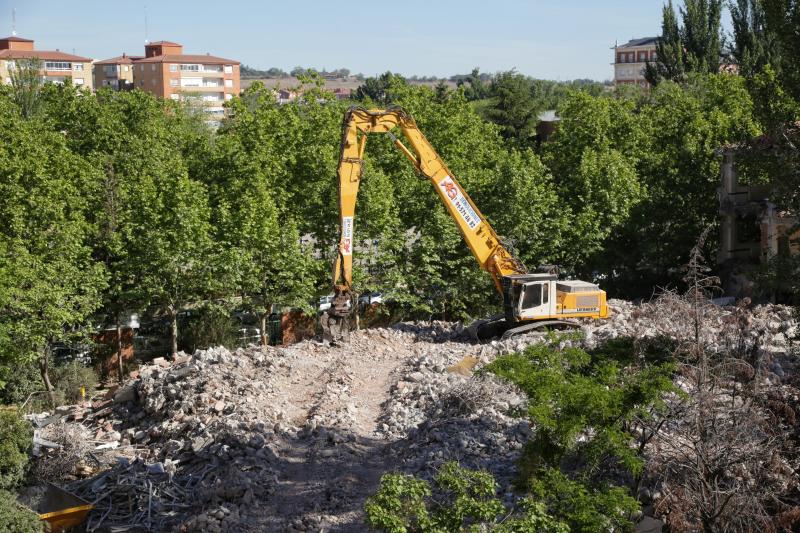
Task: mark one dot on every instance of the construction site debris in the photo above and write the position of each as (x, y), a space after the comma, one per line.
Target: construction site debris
(295, 438)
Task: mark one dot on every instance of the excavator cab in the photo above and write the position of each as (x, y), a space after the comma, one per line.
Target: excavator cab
(529, 296)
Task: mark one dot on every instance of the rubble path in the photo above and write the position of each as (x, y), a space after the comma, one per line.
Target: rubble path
(333, 460)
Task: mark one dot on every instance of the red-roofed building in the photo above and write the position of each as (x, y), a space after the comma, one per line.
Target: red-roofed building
(57, 66)
(116, 72)
(169, 73)
(630, 60)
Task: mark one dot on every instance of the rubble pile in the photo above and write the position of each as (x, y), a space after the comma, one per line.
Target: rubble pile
(295, 438)
(772, 331)
(190, 435)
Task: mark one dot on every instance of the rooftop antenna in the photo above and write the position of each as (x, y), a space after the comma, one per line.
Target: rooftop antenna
(146, 35)
(14, 22)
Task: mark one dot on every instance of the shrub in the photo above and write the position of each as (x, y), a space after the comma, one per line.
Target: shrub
(19, 380)
(461, 500)
(212, 326)
(70, 377)
(16, 440)
(14, 518)
(588, 410)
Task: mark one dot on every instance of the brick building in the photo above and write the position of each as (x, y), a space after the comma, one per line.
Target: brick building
(57, 66)
(169, 73)
(116, 72)
(630, 60)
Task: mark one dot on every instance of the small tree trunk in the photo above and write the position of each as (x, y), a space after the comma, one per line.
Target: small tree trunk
(264, 336)
(120, 366)
(43, 367)
(174, 319)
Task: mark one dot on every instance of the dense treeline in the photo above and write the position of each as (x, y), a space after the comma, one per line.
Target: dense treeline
(115, 202)
(120, 201)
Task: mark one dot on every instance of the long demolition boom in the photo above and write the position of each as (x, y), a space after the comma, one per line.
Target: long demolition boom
(482, 240)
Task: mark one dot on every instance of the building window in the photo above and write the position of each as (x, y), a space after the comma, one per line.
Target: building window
(173, 67)
(194, 68)
(173, 82)
(228, 83)
(57, 65)
(110, 69)
(153, 67)
(153, 82)
(175, 96)
(77, 81)
(78, 66)
(191, 82)
(747, 230)
(125, 68)
(228, 96)
(228, 69)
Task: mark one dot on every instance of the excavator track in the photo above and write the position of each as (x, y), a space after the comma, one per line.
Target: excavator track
(497, 326)
(540, 324)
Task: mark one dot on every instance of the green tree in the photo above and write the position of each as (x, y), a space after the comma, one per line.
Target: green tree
(129, 137)
(754, 44)
(173, 250)
(693, 46)
(515, 110)
(669, 50)
(523, 205)
(593, 158)
(377, 90)
(49, 283)
(26, 83)
(783, 19)
(475, 88)
(263, 253)
(701, 35)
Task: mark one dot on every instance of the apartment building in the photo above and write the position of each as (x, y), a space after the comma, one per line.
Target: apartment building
(630, 60)
(57, 66)
(169, 73)
(116, 72)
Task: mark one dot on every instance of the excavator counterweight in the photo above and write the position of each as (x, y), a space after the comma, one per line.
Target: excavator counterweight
(530, 300)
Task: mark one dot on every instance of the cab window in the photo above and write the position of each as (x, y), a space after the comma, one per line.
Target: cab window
(532, 296)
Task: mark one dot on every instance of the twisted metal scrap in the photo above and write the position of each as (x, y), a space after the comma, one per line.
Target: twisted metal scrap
(139, 496)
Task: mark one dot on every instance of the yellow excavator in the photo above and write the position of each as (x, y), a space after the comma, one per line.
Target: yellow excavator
(530, 300)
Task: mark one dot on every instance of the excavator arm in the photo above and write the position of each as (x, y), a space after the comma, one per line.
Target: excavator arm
(482, 240)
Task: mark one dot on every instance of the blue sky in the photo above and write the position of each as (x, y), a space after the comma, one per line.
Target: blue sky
(560, 40)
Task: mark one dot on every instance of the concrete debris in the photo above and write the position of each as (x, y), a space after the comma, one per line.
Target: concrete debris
(295, 438)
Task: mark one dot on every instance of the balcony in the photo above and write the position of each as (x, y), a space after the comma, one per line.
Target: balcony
(195, 69)
(57, 66)
(198, 89)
